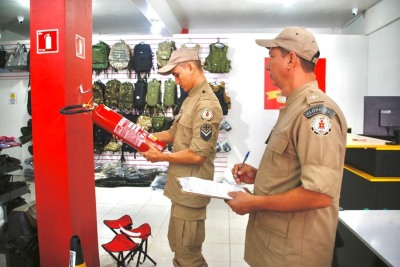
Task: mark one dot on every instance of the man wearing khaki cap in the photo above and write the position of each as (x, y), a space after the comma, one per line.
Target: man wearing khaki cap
(293, 213)
(194, 135)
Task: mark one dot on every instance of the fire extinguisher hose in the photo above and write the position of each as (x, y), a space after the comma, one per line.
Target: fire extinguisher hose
(75, 109)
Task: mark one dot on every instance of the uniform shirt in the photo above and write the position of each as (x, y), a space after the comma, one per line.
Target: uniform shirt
(196, 128)
(306, 148)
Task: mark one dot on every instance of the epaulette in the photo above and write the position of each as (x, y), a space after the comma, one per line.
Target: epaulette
(316, 106)
(314, 99)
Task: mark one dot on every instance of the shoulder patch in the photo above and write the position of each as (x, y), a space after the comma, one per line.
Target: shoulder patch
(312, 111)
(206, 132)
(207, 114)
(321, 125)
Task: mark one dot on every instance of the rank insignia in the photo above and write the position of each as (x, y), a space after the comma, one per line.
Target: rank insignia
(206, 132)
(207, 114)
(321, 125)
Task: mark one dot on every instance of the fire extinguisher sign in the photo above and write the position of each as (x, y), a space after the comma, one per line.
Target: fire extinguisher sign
(47, 41)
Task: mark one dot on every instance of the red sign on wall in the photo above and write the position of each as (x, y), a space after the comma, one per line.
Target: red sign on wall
(47, 41)
(272, 94)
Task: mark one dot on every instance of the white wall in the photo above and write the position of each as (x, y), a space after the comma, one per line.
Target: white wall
(346, 57)
(357, 65)
(384, 61)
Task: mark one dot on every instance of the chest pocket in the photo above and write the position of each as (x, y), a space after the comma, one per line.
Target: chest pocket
(184, 132)
(278, 162)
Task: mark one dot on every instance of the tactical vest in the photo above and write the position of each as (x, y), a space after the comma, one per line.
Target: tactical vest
(216, 61)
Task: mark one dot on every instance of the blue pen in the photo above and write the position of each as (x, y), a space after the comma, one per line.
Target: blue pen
(245, 158)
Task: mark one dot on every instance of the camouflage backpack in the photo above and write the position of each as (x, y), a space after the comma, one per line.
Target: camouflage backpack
(125, 97)
(120, 55)
(98, 89)
(111, 95)
(164, 52)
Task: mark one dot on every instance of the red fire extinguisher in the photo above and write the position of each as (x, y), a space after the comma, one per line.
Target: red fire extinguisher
(121, 127)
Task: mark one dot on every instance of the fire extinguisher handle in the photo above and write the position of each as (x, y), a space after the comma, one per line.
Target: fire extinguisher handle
(74, 109)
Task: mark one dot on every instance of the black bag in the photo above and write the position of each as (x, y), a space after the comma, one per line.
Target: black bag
(179, 101)
(3, 57)
(29, 103)
(125, 147)
(142, 59)
(100, 139)
(140, 95)
(22, 231)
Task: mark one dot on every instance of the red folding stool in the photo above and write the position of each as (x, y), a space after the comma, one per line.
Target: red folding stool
(142, 232)
(120, 244)
(124, 222)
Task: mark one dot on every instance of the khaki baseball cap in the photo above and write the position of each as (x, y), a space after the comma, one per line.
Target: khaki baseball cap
(181, 55)
(297, 40)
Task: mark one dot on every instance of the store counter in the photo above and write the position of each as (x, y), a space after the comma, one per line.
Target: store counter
(368, 238)
(372, 168)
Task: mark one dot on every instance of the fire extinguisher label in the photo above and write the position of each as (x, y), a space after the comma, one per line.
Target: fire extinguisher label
(130, 132)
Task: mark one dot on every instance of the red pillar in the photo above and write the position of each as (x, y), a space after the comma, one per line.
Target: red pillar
(62, 145)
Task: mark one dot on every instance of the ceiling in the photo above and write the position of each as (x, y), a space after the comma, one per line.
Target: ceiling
(197, 16)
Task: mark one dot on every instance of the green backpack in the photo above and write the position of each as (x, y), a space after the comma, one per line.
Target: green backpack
(164, 52)
(100, 53)
(216, 61)
(111, 94)
(153, 96)
(125, 97)
(170, 94)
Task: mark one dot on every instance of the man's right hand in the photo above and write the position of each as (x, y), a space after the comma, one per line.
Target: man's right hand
(244, 173)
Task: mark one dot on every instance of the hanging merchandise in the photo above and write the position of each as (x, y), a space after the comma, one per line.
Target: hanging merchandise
(170, 94)
(142, 59)
(224, 100)
(100, 54)
(164, 52)
(3, 57)
(117, 125)
(120, 55)
(18, 60)
(153, 96)
(139, 100)
(193, 46)
(111, 93)
(125, 97)
(98, 89)
(217, 61)
(179, 101)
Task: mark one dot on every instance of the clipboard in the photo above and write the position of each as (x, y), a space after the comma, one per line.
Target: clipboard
(208, 188)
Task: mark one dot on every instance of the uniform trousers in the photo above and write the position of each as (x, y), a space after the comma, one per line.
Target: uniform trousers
(185, 240)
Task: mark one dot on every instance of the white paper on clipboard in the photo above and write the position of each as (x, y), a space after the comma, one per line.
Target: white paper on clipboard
(214, 189)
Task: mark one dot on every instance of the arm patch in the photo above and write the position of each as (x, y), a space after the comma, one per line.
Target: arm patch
(321, 109)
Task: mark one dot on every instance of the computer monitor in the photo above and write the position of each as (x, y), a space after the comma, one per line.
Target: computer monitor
(382, 117)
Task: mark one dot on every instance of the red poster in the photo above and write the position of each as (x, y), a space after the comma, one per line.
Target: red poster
(272, 93)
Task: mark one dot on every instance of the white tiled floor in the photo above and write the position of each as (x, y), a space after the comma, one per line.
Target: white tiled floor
(225, 230)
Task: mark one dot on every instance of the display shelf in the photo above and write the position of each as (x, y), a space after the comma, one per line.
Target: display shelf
(9, 145)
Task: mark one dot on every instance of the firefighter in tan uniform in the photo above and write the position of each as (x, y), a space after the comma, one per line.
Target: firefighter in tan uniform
(293, 213)
(194, 135)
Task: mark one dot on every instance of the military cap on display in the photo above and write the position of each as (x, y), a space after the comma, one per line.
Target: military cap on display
(181, 55)
(297, 40)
